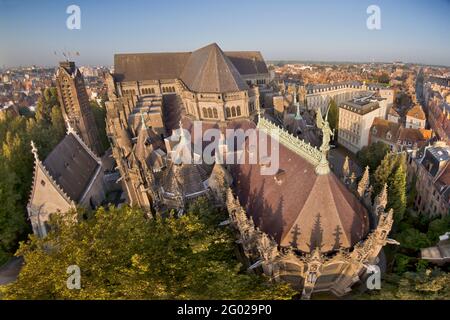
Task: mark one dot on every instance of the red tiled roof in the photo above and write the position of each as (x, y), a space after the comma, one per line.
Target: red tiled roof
(416, 112)
(298, 208)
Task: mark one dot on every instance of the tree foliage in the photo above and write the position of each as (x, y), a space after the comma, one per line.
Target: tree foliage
(383, 78)
(333, 115)
(425, 285)
(100, 120)
(392, 170)
(46, 129)
(372, 155)
(123, 255)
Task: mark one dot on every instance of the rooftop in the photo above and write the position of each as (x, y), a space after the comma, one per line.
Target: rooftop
(362, 105)
(207, 69)
(416, 112)
(71, 166)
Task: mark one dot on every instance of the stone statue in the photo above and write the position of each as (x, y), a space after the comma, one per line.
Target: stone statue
(327, 133)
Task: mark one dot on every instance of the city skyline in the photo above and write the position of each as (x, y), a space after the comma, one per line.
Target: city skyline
(411, 31)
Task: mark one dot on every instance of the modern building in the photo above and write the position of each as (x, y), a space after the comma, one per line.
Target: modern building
(355, 120)
(70, 176)
(75, 105)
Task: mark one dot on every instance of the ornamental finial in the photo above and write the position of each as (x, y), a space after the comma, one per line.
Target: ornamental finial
(69, 128)
(34, 151)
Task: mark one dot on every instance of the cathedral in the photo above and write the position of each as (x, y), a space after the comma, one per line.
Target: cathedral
(303, 224)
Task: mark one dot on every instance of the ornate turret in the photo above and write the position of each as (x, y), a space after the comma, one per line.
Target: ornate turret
(364, 183)
(381, 200)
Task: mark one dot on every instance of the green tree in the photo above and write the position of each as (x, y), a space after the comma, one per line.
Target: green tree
(383, 78)
(397, 192)
(333, 115)
(46, 128)
(413, 239)
(123, 255)
(372, 155)
(425, 285)
(12, 222)
(392, 170)
(437, 228)
(100, 120)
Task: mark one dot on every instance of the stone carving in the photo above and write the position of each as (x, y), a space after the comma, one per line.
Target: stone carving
(302, 148)
(364, 183)
(381, 201)
(327, 133)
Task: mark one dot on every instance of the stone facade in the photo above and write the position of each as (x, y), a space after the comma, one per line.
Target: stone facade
(355, 120)
(315, 271)
(431, 167)
(71, 176)
(319, 96)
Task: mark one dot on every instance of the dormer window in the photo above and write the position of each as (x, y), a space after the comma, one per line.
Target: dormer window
(388, 135)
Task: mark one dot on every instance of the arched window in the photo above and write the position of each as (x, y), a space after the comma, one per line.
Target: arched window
(233, 111)
(205, 113)
(227, 110)
(238, 110)
(215, 113)
(210, 114)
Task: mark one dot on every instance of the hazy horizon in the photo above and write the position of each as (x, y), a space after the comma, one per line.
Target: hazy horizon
(323, 31)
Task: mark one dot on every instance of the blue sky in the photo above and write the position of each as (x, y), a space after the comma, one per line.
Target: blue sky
(325, 30)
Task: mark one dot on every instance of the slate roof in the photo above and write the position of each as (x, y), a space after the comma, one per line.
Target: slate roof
(248, 62)
(149, 66)
(209, 70)
(171, 65)
(71, 166)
